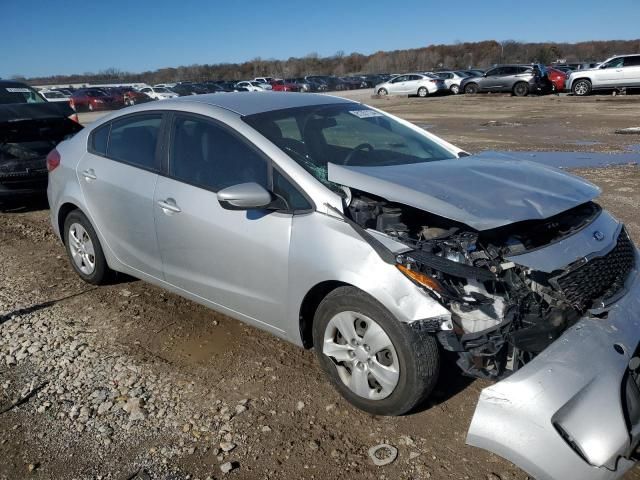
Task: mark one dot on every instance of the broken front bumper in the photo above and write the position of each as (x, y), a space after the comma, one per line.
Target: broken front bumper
(574, 411)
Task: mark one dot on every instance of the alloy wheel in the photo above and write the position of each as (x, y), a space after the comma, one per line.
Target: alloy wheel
(581, 88)
(363, 353)
(82, 251)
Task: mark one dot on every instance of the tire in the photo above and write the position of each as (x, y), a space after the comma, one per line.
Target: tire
(521, 89)
(423, 92)
(455, 89)
(383, 92)
(90, 106)
(412, 355)
(581, 88)
(471, 88)
(75, 226)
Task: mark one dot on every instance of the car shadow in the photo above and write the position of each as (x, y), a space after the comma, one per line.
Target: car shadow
(31, 203)
(451, 381)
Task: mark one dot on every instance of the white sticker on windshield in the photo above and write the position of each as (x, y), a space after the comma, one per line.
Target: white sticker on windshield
(365, 113)
(18, 90)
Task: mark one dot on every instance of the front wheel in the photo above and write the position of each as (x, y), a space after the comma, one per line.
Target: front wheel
(455, 89)
(581, 88)
(383, 92)
(423, 92)
(377, 363)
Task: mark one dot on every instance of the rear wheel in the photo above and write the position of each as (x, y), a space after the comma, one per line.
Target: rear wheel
(471, 89)
(377, 363)
(521, 89)
(423, 92)
(84, 249)
(582, 87)
(383, 92)
(455, 89)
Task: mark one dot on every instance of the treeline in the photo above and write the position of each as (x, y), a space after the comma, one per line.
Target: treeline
(459, 55)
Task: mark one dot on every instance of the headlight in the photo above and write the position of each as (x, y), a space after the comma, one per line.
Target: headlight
(421, 279)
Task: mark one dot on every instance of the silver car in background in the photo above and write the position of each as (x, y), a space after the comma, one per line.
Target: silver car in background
(452, 79)
(420, 84)
(341, 228)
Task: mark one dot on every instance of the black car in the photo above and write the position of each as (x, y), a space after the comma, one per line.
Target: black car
(520, 80)
(30, 127)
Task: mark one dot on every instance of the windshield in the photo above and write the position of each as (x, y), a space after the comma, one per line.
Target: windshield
(344, 134)
(17, 93)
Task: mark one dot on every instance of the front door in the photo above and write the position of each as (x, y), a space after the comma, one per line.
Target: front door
(611, 74)
(491, 81)
(118, 177)
(234, 259)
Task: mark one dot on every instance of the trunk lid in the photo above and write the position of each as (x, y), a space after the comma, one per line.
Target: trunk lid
(28, 132)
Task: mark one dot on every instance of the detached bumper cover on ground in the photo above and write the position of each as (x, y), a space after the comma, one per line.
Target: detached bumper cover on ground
(574, 389)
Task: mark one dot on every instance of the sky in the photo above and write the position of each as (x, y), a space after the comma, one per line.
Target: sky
(68, 36)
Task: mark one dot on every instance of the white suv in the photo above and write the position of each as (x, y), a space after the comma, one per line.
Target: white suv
(621, 71)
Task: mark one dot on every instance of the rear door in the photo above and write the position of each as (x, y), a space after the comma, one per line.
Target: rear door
(118, 177)
(233, 259)
(632, 71)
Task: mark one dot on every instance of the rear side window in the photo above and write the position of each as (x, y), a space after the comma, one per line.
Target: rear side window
(208, 155)
(98, 140)
(632, 61)
(133, 140)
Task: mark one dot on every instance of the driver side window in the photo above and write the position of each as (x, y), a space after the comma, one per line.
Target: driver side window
(208, 155)
(401, 78)
(615, 63)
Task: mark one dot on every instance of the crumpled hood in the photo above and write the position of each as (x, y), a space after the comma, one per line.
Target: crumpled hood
(483, 193)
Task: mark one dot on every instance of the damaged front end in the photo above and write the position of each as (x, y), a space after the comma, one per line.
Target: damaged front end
(546, 305)
(28, 132)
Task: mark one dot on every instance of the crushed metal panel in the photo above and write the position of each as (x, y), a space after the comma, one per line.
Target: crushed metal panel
(573, 386)
(483, 193)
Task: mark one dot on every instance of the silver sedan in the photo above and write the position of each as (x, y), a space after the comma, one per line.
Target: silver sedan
(341, 228)
(420, 84)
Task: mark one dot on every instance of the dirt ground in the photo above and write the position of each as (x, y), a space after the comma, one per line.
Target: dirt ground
(129, 381)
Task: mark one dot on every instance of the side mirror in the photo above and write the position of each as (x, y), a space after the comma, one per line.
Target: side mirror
(244, 196)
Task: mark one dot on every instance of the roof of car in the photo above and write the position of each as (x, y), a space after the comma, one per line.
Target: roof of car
(249, 103)
(11, 83)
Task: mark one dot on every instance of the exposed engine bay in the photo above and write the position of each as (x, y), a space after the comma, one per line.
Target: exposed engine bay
(503, 313)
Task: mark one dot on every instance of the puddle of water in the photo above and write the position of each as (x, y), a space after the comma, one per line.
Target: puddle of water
(569, 159)
(633, 148)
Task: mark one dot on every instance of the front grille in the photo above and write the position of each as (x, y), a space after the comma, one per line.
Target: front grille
(601, 277)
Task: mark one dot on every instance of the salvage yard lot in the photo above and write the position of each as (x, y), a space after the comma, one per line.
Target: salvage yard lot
(136, 378)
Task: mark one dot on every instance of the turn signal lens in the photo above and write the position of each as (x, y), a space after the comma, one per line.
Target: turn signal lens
(424, 280)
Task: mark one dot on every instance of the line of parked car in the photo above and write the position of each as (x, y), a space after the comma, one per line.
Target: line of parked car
(620, 72)
(616, 73)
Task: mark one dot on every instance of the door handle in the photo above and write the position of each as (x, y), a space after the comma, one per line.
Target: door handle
(169, 206)
(89, 175)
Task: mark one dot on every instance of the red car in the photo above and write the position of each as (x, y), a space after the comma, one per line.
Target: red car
(557, 77)
(282, 86)
(92, 99)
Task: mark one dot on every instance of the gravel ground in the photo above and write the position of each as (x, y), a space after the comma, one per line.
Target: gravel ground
(127, 381)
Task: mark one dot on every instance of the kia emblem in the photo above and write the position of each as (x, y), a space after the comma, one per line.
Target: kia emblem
(598, 235)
